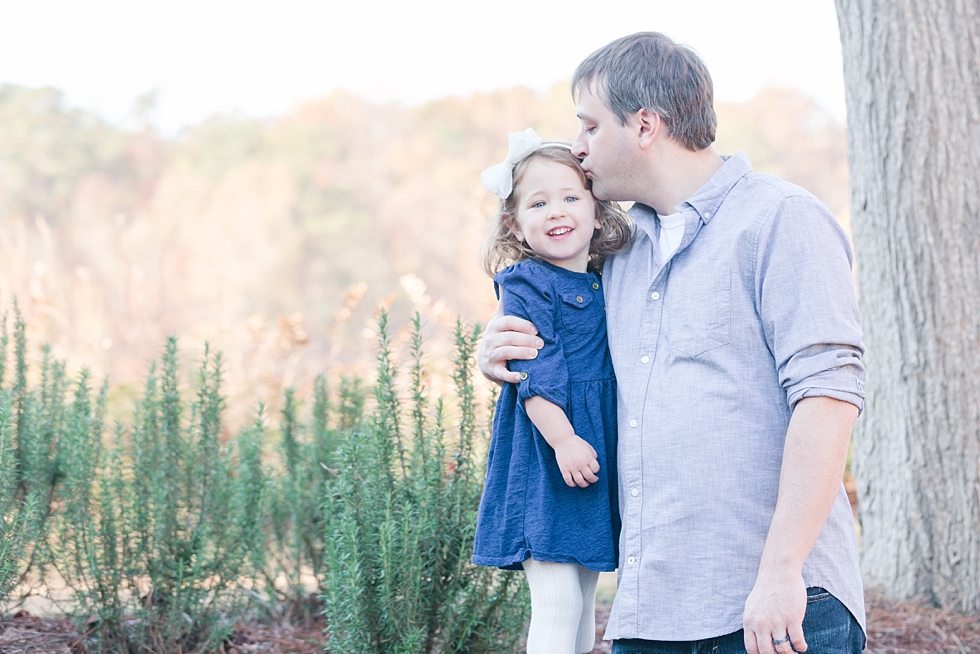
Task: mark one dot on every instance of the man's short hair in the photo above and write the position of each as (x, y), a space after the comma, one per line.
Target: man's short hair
(649, 70)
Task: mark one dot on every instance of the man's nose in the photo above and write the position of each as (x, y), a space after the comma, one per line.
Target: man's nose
(579, 148)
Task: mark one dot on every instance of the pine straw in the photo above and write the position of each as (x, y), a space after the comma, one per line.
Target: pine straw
(25, 633)
(906, 628)
(893, 628)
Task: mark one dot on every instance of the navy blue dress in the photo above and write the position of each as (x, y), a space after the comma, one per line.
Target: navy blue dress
(527, 510)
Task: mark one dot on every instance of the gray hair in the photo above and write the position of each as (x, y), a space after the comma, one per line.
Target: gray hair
(648, 70)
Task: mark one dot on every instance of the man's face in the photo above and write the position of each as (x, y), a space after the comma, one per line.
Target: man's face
(606, 148)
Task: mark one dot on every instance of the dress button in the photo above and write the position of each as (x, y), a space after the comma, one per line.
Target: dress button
(632, 423)
(635, 492)
(578, 298)
(644, 359)
(523, 376)
(655, 295)
(595, 286)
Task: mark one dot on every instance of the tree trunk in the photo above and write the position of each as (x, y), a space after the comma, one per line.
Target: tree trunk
(912, 75)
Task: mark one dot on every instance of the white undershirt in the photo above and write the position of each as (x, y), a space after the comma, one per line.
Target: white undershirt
(671, 233)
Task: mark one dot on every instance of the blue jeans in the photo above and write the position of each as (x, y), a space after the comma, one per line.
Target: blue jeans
(829, 628)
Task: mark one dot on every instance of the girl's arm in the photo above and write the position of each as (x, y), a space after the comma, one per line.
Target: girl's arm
(577, 460)
(542, 382)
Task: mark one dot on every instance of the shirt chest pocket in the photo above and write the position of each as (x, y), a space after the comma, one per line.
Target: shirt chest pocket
(580, 313)
(700, 319)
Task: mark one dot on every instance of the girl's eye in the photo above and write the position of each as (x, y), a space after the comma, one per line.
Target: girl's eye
(589, 130)
(538, 204)
(571, 198)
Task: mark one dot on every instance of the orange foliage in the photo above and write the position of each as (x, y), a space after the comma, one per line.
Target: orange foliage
(275, 240)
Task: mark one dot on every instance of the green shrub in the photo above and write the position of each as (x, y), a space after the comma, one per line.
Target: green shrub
(400, 521)
(30, 465)
(281, 501)
(167, 535)
(148, 541)
(295, 514)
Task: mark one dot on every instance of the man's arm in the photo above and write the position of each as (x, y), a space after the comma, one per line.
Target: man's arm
(814, 456)
(506, 338)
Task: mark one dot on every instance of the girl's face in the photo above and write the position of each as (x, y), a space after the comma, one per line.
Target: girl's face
(555, 214)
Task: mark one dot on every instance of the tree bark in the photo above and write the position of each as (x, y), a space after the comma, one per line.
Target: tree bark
(912, 76)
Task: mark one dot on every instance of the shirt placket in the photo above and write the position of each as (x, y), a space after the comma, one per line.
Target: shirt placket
(639, 413)
(631, 478)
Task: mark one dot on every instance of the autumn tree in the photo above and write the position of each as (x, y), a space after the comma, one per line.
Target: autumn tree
(912, 75)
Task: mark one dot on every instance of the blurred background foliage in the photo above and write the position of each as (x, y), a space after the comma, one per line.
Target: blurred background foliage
(277, 239)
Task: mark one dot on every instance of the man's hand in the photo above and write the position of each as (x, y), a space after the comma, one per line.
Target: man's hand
(577, 460)
(809, 481)
(506, 338)
(774, 611)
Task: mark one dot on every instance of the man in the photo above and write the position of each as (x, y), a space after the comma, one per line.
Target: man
(736, 340)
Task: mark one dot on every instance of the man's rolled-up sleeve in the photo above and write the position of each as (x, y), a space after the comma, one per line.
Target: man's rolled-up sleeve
(808, 304)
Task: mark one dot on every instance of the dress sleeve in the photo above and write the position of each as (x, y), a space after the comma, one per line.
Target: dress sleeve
(807, 303)
(530, 296)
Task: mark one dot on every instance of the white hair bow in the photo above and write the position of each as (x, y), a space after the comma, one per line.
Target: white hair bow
(499, 179)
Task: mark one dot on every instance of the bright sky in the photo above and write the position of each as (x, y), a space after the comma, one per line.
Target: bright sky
(259, 57)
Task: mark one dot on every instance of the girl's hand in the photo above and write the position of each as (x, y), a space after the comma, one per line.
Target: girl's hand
(577, 461)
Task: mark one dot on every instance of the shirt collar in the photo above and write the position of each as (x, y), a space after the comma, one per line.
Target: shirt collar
(645, 218)
(709, 197)
(706, 199)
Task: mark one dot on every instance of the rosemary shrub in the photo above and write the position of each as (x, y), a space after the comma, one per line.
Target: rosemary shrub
(400, 518)
(296, 517)
(30, 466)
(167, 533)
(148, 540)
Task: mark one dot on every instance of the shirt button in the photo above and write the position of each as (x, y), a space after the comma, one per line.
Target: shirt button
(644, 359)
(707, 214)
(523, 376)
(595, 286)
(655, 295)
(632, 423)
(631, 560)
(635, 492)
(578, 298)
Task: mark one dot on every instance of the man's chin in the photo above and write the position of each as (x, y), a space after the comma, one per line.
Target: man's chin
(605, 196)
(600, 193)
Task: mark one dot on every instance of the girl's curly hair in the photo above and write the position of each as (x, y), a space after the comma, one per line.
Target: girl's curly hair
(502, 248)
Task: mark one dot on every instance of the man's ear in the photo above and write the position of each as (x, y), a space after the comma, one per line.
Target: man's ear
(514, 226)
(649, 126)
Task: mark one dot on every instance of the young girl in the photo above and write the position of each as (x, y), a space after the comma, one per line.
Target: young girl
(550, 501)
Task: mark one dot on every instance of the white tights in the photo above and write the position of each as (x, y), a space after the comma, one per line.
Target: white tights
(562, 607)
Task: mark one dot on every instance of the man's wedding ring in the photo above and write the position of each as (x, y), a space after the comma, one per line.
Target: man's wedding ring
(780, 641)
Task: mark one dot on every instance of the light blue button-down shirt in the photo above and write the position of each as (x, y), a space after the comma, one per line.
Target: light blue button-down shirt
(712, 349)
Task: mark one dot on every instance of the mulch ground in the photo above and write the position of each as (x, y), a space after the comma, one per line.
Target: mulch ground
(893, 628)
